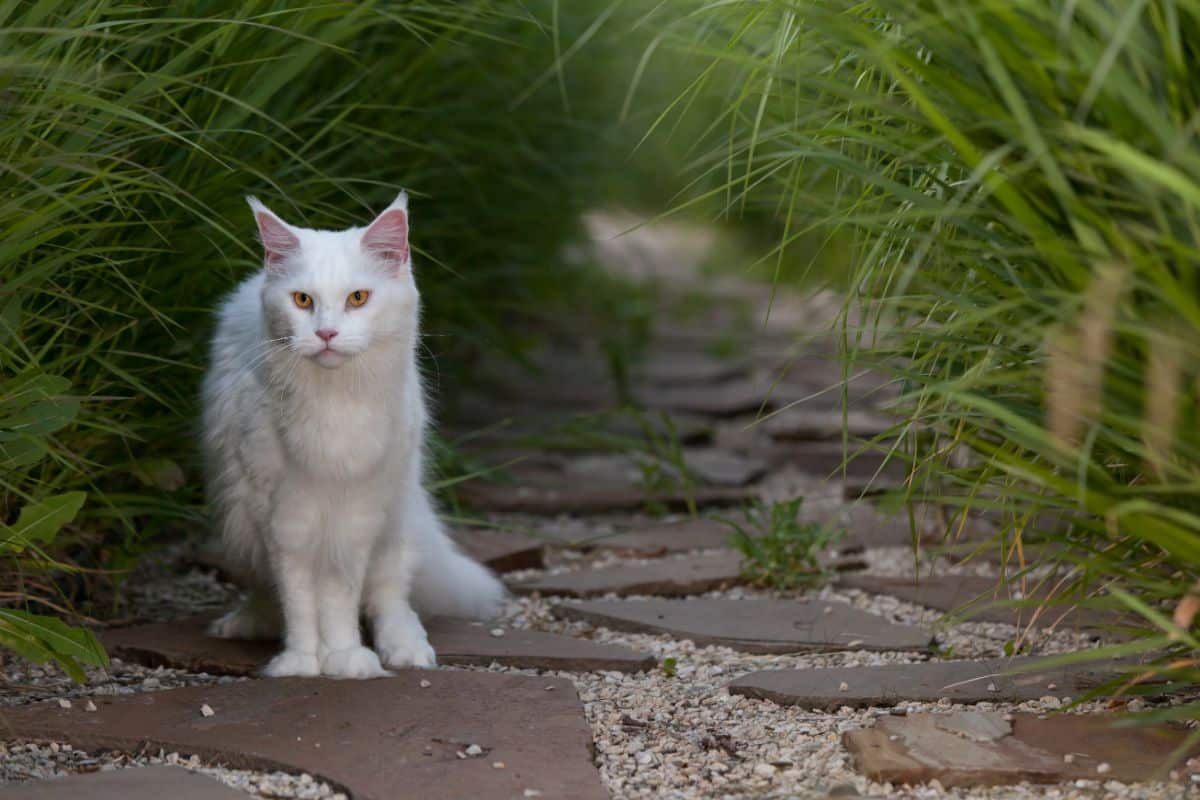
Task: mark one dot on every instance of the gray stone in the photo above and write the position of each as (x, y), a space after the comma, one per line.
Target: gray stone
(758, 625)
(804, 423)
(995, 680)
(183, 644)
(135, 783)
(988, 748)
(369, 739)
(974, 598)
(688, 366)
(862, 472)
(722, 468)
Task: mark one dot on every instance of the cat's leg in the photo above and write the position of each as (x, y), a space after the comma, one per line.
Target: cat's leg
(400, 638)
(257, 617)
(340, 585)
(293, 540)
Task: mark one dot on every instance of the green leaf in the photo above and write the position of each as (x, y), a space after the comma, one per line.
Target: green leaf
(39, 522)
(43, 638)
(35, 404)
(161, 473)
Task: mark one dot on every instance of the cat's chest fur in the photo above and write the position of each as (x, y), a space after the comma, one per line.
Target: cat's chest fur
(336, 435)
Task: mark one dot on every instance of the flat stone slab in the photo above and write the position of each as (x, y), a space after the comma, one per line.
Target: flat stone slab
(803, 422)
(682, 366)
(134, 783)
(658, 538)
(726, 399)
(993, 680)
(975, 748)
(581, 498)
(758, 625)
(867, 471)
(669, 577)
(723, 468)
(973, 597)
(501, 550)
(185, 645)
(369, 738)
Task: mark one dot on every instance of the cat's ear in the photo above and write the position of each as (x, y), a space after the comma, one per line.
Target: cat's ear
(387, 237)
(278, 239)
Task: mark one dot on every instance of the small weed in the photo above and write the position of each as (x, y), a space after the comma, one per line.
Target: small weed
(943, 651)
(668, 667)
(781, 552)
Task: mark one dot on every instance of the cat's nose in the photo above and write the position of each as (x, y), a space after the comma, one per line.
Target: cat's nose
(326, 334)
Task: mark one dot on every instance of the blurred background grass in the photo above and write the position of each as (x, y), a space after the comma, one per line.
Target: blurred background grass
(1006, 193)
(1017, 185)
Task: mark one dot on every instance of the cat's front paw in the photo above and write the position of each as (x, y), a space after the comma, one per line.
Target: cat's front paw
(354, 662)
(406, 647)
(292, 663)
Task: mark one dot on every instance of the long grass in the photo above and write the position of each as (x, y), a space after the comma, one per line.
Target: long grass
(129, 136)
(1022, 181)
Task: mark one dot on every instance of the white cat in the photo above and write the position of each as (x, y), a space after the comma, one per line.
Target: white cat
(314, 424)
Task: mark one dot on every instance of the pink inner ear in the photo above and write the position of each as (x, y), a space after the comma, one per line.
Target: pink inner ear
(388, 237)
(277, 240)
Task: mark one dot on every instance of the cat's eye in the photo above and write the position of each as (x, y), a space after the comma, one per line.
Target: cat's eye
(358, 298)
(302, 300)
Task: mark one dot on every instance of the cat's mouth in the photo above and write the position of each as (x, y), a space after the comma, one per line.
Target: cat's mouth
(330, 356)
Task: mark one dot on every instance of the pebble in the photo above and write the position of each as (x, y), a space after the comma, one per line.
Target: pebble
(425, 684)
(206, 710)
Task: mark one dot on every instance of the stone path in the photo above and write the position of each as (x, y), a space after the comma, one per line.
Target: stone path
(634, 660)
(436, 736)
(183, 644)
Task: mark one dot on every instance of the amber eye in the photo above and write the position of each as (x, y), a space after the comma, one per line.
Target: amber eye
(358, 298)
(302, 300)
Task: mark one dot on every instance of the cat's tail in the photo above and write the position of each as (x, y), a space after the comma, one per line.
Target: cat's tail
(450, 584)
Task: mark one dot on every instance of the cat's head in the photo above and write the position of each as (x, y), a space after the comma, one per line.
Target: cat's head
(334, 295)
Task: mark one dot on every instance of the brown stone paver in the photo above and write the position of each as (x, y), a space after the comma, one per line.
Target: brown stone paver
(755, 625)
(579, 498)
(376, 739)
(659, 538)
(993, 680)
(862, 471)
(975, 748)
(183, 644)
(501, 550)
(135, 783)
(975, 597)
(668, 576)
(738, 396)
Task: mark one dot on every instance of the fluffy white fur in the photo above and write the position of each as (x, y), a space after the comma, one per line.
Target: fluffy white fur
(314, 450)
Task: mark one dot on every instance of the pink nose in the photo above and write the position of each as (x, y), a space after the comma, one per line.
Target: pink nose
(326, 334)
